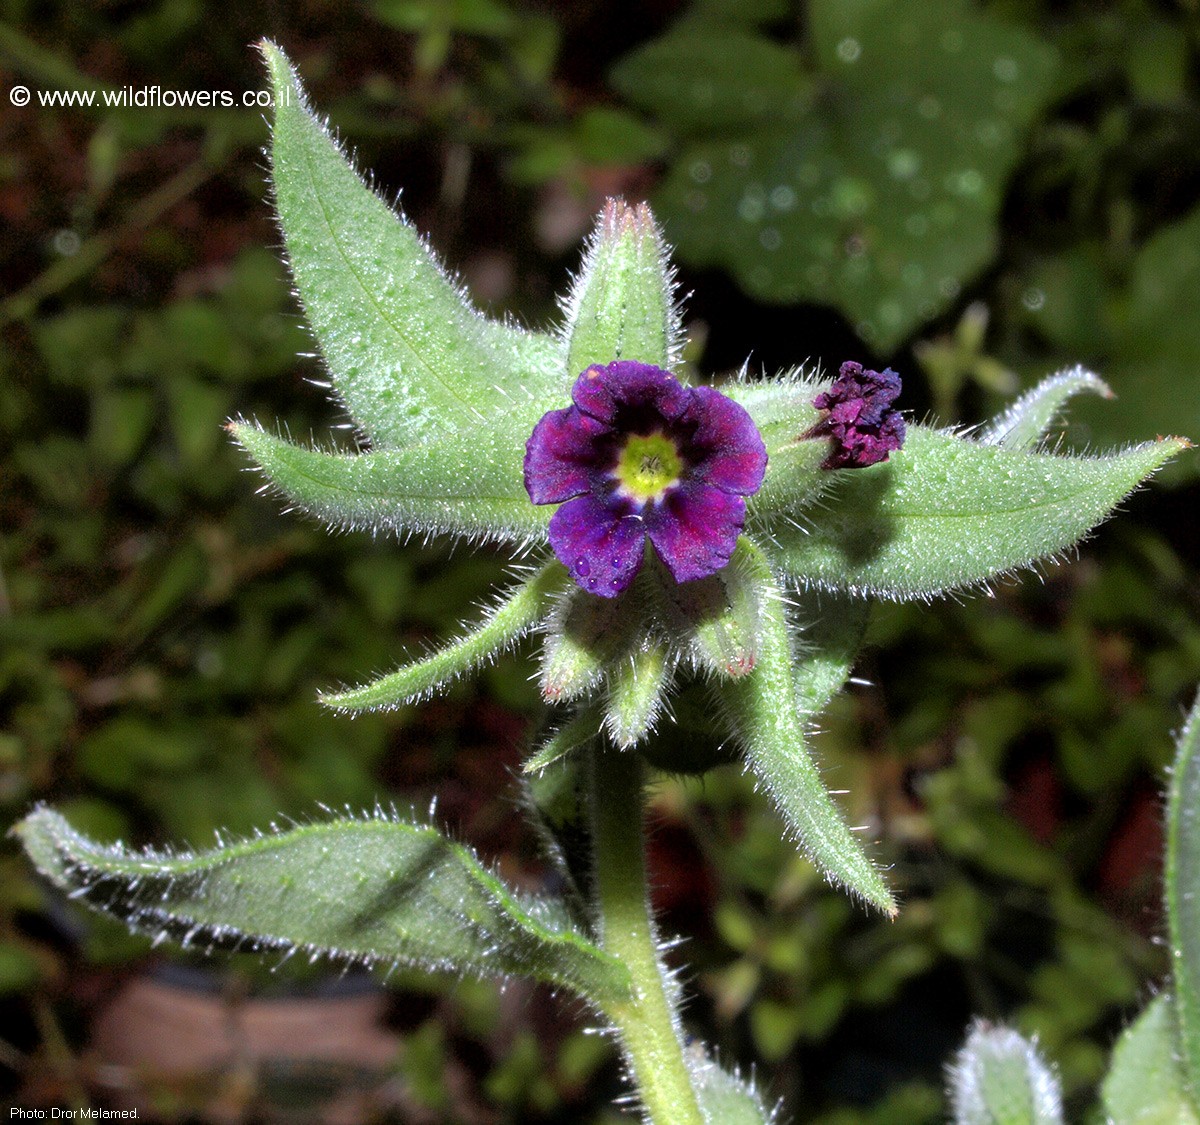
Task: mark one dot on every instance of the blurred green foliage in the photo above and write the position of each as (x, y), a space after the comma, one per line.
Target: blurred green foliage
(866, 171)
(163, 630)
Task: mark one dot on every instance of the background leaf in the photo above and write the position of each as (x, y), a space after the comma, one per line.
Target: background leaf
(872, 181)
(1142, 335)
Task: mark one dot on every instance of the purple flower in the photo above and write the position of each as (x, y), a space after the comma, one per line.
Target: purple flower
(638, 455)
(861, 421)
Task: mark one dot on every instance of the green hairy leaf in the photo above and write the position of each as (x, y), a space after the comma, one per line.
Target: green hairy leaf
(1182, 893)
(464, 487)
(1145, 1085)
(831, 633)
(407, 354)
(373, 890)
(622, 305)
(1027, 421)
(507, 623)
(565, 739)
(583, 636)
(772, 732)
(998, 1078)
(945, 512)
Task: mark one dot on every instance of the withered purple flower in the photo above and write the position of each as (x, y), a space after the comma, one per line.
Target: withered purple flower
(862, 422)
(639, 456)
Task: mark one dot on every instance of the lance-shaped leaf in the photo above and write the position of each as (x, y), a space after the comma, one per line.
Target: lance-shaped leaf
(1145, 1085)
(945, 512)
(566, 739)
(506, 624)
(1029, 419)
(768, 710)
(998, 1078)
(556, 799)
(1182, 892)
(622, 304)
(471, 488)
(832, 631)
(376, 891)
(407, 354)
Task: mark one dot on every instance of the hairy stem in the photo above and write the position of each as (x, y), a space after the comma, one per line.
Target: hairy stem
(647, 1024)
(1182, 878)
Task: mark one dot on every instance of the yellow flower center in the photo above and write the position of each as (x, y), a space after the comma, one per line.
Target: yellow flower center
(648, 465)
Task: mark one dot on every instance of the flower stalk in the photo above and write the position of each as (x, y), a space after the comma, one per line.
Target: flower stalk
(647, 1024)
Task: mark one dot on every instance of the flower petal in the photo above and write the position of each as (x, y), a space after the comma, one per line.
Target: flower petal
(601, 546)
(727, 448)
(695, 529)
(602, 391)
(560, 455)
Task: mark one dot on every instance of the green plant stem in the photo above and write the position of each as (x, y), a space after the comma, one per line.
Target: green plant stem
(646, 1023)
(1181, 882)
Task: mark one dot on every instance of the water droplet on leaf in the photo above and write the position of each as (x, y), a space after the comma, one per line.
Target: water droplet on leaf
(1006, 69)
(929, 108)
(751, 207)
(852, 197)
(783, 198)
(903, 164)
(951, 41)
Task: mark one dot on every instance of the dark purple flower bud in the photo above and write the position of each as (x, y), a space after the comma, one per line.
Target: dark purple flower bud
(864, 426)
(639, 456)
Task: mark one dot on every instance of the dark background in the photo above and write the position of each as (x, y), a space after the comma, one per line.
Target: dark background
(996, 192)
